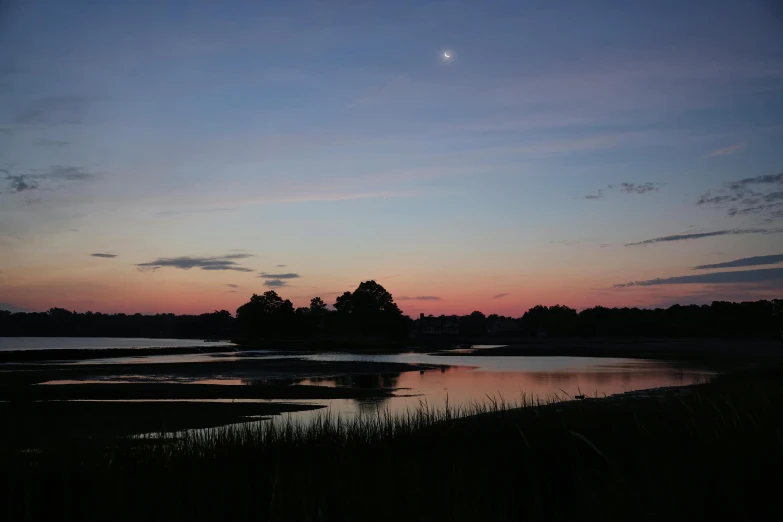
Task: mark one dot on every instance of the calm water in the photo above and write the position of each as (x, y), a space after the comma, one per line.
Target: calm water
(473, 380)
(47, 343)
(462, 381)
(467, 379)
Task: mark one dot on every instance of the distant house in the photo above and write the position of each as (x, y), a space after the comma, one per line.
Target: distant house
(442, 325)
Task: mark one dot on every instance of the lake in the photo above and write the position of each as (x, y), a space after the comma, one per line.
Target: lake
(470, 380)
(460, 380)
(49, 343)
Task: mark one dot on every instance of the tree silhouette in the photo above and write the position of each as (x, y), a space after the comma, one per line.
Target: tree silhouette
(371, 310)
(266, 314)
(343, 304)
(317, 305)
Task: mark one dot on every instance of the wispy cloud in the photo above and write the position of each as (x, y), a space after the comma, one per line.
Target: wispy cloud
(50, 179)
(226, 262)
(626, 188)
(766, 179)
(500, 296)
(641, 188)
(760, 195)
(275, 283)
(762, 275)
(232, 286)
(699, 235)
(280, 266)
(745, 261)
(419, 298)
(101, 254)
(266, 275)
(567, 242)
(726, 151)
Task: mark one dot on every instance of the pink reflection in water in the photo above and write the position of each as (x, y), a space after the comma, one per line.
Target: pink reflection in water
(462, 386)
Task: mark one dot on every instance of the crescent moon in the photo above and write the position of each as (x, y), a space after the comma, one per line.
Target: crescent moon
(446, 55)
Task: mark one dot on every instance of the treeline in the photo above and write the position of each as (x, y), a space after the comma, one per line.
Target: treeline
(755, 319)
(59, 322)
(370, 311)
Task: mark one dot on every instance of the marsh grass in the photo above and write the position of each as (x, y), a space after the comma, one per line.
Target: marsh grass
(711, 452)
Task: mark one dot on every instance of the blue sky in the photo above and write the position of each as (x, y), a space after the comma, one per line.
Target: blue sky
(335, 139)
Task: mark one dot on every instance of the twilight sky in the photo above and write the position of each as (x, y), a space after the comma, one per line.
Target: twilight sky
(181, 155)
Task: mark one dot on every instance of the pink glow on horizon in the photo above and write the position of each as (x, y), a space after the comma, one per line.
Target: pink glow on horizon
(179, 298)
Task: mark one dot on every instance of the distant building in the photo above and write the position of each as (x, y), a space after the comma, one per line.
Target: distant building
(442, 325)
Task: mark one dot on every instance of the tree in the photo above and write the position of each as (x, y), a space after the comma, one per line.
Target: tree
(372, 298)
(371, 310)
(265, 315)
(317, 305)
(344, 304)
(473, 325)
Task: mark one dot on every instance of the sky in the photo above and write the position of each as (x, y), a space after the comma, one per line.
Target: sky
(179, 156)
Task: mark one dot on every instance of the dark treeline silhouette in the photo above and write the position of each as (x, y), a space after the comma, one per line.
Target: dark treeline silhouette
(370, 311)
(59, 322)
(754, 319)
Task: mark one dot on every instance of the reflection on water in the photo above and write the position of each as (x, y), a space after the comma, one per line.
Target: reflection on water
(463, 386)
(96, 343)
(461, 381)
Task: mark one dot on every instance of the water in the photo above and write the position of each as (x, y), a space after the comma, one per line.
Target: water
(460, 381)
(475, 380)
(49, 343)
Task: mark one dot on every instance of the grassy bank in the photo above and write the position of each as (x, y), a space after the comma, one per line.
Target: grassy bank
(712, 452)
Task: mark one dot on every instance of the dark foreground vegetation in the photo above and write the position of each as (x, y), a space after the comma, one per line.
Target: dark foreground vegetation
(707, 452)
(371, 313)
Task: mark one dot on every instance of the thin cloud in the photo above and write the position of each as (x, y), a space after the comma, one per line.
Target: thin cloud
(726, 151)
(760, 195)
(232, 286)
(419, 298)
(500, 296)
(275, 283)
(641, 188)
(566, 242)
(762, 275)
(51, 179)
(767, 179)
(626, 188)
(101, 254)
(280, 266)
(226, 262)
(700, 235)
(745, 261)
(266, 275)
